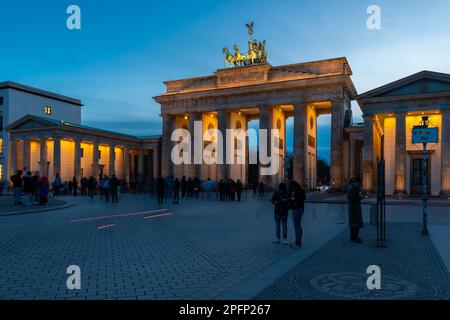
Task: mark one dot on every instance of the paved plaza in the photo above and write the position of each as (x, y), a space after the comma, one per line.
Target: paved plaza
(205, 249)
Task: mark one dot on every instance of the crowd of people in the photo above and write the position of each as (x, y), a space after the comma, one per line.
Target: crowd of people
(223, 190)
(30, 189)
(34, 187)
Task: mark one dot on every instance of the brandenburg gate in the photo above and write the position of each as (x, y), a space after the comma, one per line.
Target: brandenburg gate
(231, 97)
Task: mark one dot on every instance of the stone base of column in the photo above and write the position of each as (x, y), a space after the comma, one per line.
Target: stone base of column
(445, 194)
(400, 193)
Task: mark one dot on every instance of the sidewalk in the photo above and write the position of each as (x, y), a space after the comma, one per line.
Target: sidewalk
(411, 268)
(391, 200)
(7, 207)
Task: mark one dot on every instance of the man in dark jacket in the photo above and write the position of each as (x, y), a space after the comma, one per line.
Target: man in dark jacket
(17, 183)
(183, 186)
(160, 189)
(355, 217)
(176, 191)
(28, 188)
(297, 205)
(281, 200)
(114, 186)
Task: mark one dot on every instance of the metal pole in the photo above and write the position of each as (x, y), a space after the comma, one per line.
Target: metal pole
(425, 231)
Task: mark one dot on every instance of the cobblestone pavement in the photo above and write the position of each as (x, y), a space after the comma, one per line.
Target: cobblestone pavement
(411, 268)
(198, 250)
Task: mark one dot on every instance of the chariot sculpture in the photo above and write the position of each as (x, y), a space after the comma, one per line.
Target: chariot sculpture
(256, 53)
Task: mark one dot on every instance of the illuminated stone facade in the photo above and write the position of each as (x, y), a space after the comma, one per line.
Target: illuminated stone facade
(390, 113)
(271, 94)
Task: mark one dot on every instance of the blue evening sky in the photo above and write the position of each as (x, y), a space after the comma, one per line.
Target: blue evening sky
(117, 62)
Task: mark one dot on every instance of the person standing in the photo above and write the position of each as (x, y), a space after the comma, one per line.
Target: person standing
(281, 200)
(43, 187)
(57, 184)
(190, 188)
(183, 186)
(17, 182)
(92, 185)
(104, 187)
(355, 217)
(176, 191)
(2, 185)
(35, 181)
(239, 188)
(28, 187)
(160, 188)
(114, 186)
(298, 209)
(261, 190)
(75, 186)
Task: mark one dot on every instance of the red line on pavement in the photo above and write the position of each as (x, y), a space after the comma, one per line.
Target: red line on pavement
(118, 216)
(158, 215)
(107, 226)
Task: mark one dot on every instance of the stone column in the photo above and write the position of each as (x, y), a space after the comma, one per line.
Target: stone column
(400, 154)
(112, 159)
(166, 146)
(140, 164)
(223, 121)
(43, 157)
(95, 161)
(126, 164)
(26, 155)
(77, 159)
(445, 149)
(300, 126)
(337, 139)
(265, 122)
(12, 159)
(352, 155)
(155, 157)
(57, 156)
(194, 169)
(367, 161)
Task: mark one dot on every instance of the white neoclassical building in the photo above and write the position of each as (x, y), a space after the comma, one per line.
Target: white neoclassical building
(42, 131)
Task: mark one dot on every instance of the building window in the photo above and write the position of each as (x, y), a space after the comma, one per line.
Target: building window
(1, 145)
(48, 110)
(82, 152)
(1, 123)
(1, 101)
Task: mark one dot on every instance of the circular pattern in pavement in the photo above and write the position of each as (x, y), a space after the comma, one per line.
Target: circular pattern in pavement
(354, 286)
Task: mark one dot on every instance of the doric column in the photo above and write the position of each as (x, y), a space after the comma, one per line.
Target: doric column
(155, 157)
(352, 160)
(223, 123)
(445, 149)
(368, 161)
(265, 123)
(112, 159)
(77, 159)
(337, 139)
(195, 169)
(95, 160)
(140, 163)
(57, 156)
(26, 155)
(300, 126)
(43, 157)
(166, 146)
(126, 164)
(400, 154)
(12, 158)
